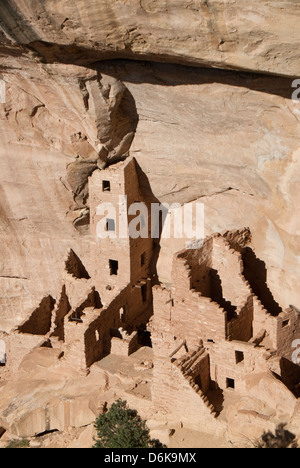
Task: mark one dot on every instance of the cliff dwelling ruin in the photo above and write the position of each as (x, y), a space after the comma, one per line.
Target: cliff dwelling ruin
(210, 351)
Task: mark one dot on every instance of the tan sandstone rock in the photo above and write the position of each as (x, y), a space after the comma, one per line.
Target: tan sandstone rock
(257, 36)
(228, 139)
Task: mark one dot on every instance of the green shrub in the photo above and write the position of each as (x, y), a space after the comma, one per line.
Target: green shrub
(18, 444)
(122, 427)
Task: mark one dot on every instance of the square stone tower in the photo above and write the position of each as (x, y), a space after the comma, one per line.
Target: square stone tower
(123, 247)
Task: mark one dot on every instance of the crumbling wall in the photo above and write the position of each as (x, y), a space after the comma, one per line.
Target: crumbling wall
(195, 367)
(74, 342)
(219, 317)
(92, 300)
(88, 338)
(124, 344)
(199, 262)
(129, 308)
(61, 310)
(96, 338)
(282, 330)
(255, 271)
(194, 316)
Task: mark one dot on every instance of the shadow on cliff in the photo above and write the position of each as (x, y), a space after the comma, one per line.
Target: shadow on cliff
(151, 199)
(12, 22)
(255, 272)
(165, 69)
(161, 71)
(170, 74)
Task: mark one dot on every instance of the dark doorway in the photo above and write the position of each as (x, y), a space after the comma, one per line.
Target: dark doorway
(144, 337)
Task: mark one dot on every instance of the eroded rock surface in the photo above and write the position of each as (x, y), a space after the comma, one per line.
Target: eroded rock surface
(228, 139)
(258, 36)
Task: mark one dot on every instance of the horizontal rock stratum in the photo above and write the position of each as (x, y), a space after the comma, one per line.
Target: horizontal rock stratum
(258, 36)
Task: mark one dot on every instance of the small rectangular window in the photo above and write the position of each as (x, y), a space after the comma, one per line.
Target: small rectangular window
(230, 383)
(114, 267)
(143, 259)
(239, 357)
(110, 225)
(285, 323)
(106, 186)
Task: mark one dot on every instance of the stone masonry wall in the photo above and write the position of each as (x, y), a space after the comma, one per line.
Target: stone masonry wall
(288, 330)
(241, 327)
(232, 361)
(131, 256)
(191, 407)
(263, 320)
(108, 250)
(89, 341)
(194, 317)
(124, 345)
(200, 264)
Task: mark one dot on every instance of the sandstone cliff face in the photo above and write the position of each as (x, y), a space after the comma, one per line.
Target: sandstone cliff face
(226, 139)
(257, 35)
(199, 91)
